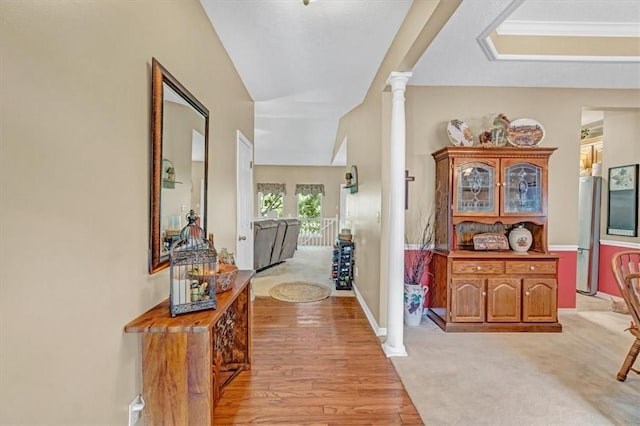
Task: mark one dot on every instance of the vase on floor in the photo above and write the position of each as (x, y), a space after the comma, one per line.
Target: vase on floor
(414, 296)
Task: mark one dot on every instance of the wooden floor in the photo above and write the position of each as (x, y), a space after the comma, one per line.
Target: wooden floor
(315, 363)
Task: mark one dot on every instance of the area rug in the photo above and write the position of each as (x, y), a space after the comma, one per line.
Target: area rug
(299, 291)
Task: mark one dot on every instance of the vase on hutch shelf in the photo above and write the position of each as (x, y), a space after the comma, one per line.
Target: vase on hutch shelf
(414, 296)
(520, 239)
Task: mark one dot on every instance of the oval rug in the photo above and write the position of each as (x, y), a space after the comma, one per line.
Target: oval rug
(299, 291)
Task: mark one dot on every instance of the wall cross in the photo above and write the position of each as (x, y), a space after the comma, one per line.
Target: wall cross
(407, 179)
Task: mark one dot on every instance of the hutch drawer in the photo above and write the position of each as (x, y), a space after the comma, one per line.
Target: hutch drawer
(543, 267)
(477, 267)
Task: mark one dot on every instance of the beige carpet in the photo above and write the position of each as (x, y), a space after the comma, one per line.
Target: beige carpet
(310, 264)
(299, 292)
(506, 379)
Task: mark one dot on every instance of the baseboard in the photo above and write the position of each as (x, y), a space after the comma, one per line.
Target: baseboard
(607, 296)
(379, 331)
(623, 244)
(565, 247)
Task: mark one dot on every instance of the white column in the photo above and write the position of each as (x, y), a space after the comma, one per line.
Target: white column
(394, 345)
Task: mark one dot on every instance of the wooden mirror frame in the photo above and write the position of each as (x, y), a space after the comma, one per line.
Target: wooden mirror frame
(160, 75)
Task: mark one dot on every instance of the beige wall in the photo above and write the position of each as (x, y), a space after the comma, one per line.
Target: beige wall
(74, 184)
(559, 110)
(364, 210)
(331, 177)
(428, 111)
(367, 131)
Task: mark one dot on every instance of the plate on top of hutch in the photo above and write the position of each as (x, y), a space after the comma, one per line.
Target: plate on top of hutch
(459, 133)
(525, 132)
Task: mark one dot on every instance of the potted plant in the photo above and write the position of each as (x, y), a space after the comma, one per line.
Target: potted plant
(416, 274)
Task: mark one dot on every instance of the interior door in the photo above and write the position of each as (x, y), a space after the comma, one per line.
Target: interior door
(244, 222)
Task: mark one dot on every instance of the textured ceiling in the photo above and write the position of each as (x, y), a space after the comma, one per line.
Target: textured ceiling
(455, 58)
(306, 66)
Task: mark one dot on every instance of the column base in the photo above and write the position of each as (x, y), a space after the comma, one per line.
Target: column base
(390, 351)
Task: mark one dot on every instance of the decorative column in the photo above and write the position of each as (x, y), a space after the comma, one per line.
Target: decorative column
(394, 345)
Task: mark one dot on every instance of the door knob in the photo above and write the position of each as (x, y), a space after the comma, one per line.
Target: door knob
(242, 238)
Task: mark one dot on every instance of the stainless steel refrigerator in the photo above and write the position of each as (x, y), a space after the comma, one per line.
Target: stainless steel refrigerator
(589, 196)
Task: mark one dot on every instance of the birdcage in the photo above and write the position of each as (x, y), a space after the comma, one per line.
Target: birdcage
(193, 268)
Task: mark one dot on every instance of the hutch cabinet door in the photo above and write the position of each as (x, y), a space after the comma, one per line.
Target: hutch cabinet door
(475, 182)
(503, 299)
(540, 302)
(467, 300)
(523, 187)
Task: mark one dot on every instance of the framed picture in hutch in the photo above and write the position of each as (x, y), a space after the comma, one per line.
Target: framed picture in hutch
(622, 212)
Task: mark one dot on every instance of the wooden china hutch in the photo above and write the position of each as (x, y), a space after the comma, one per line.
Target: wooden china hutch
(491, 190)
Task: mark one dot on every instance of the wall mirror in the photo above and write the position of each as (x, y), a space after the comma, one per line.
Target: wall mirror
(179, 162)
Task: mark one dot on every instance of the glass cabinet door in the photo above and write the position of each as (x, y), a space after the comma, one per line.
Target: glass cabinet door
(523, 188)
(475, 183)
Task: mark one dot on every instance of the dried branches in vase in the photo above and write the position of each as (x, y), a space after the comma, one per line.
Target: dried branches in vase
(417, 261)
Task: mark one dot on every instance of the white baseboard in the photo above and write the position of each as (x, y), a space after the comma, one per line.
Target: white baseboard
(563, 248)
(612, 243)
(607, 296)
(379, 331)
(623, 244)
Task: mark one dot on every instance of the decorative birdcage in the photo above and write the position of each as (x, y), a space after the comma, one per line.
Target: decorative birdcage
(193, 268)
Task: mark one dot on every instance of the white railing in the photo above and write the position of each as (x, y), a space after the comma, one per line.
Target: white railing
(318, 232)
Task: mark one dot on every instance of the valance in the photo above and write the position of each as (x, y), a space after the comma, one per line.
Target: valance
(272, 188)
(310, 188)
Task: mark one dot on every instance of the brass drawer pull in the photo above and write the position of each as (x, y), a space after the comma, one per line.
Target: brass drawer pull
(533, 268)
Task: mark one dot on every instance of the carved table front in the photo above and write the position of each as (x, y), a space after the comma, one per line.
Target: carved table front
(187, 360)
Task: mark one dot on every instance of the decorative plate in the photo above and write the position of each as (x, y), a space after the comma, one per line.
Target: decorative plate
(525, 132)
(459, 133)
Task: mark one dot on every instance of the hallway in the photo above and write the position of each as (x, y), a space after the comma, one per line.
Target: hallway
(315, 363)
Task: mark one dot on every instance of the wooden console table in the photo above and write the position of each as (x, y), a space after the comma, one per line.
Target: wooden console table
(188, 360)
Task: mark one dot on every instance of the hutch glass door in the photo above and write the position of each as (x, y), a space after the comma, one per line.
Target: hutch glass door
(522, 189)
(475, 189)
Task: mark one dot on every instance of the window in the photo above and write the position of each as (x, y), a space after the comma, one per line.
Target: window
(270, 204)
(271, 199)
(310, 207)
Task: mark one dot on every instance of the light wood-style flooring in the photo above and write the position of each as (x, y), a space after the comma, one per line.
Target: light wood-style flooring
(315, 363)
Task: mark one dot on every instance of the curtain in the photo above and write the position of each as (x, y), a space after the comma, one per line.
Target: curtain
(272, 188)
(309, 188)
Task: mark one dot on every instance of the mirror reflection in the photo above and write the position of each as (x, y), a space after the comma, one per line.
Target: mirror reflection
(182, 166)
(179, 163)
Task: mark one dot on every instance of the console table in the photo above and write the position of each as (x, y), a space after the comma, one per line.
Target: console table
(187, 360)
